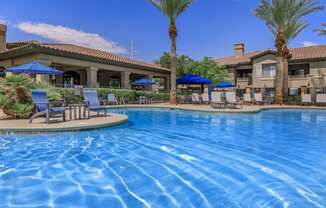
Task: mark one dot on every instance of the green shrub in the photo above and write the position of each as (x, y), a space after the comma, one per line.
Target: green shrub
(293, 100)
(129, 96)
(15, 95)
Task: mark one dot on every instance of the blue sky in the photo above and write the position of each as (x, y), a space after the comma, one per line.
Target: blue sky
(207, 28)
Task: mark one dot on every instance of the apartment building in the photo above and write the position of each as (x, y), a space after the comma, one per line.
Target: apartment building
(255, 71)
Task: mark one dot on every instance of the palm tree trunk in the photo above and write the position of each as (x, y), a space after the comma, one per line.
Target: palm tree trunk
(279, 81)
(173, 35)
(285, 77)
(282, 71)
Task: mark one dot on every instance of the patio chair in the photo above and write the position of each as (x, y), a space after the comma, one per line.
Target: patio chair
(93, 103)
(112, 99)
(258, 98)
(247, 98)
(44, 108)
(306, 99)
(142, 100)
(205, 98)
(231, 100)
(216, 101)
(321, 99)
(195, 98)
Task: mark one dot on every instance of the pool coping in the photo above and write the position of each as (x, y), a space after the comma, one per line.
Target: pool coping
(76, 125)
(116, 119)
(194, 108)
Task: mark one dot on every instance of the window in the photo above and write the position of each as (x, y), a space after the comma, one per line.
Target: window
(293, 91)
(269, 70)
(299, 70)
(244, 73)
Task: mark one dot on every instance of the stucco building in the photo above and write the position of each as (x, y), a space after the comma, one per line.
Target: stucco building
(81, 65)
(256, 70)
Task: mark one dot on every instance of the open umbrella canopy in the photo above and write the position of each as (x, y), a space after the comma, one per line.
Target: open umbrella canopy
(225, 85)
(143, 82)
(193, 79)
(33, 68)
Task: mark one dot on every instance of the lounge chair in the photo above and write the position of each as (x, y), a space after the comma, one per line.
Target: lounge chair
(112, 100)
(195, 98)
(92, 102)
(216, 101)
(258, 98)
(247, 98)
(205, 98)
(44, 107)
(231, 100)
(306, 99)
(321, 99)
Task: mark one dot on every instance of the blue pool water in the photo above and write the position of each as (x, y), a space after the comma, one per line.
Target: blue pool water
(170, 158)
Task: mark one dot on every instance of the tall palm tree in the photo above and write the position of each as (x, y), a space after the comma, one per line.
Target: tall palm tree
(285, 19)
(322, 31)
(172, 9)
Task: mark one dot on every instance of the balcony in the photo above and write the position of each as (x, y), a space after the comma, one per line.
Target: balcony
(298, 76)
(244, 81)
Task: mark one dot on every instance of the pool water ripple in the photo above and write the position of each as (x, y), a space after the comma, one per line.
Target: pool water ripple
(172, 158)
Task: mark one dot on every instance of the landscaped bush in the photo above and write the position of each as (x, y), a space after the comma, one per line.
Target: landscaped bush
(129, 96)
(16, 102)
(15, 95)
(293, 100)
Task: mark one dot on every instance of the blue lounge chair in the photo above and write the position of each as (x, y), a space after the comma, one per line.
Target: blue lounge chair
(112, 99)
(92, 102)
(44, 108)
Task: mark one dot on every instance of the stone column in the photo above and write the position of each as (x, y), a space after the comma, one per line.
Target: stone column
(92, 77)
(125, 79)
(167, 83)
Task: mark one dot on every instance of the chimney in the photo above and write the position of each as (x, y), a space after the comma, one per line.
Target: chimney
(239, 49)
(3, 34)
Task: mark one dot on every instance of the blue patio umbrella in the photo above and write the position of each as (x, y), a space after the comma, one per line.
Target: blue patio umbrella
(193, 79)
(143, 82)
(225, 85)
(33, 68)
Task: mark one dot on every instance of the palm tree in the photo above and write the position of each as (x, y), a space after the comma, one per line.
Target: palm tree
(172, 9)
(285, 19)
(323, 30)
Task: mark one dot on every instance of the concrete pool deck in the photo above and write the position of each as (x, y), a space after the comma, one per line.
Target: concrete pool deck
(39, 125)
(208, 108)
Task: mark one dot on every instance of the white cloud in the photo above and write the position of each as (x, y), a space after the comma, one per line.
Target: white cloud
(308, 43)
(68, 35)
(3, 20)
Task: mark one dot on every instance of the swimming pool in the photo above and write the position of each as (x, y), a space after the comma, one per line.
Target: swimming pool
(172, 158)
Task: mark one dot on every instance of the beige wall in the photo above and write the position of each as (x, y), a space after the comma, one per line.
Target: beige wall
(257, 77)
(258, 81)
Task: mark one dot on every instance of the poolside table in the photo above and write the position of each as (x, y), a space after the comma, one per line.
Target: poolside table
(78, 111)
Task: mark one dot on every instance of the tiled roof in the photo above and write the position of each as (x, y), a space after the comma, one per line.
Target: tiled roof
(233, 60)
(83, 51)
(298, 54)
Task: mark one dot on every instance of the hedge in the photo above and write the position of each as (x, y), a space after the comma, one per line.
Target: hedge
(129, 96)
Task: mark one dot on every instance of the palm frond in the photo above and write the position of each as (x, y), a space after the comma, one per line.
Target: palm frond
(322, 31)
(171, 8)
(286, 15)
